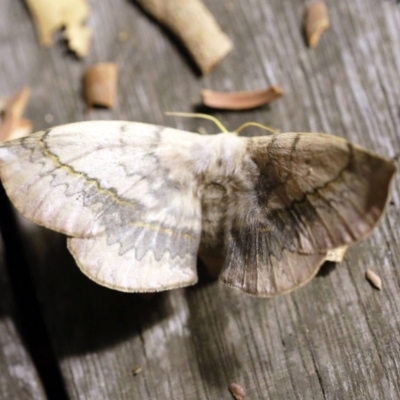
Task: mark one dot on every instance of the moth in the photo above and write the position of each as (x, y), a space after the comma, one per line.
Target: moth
(138, 202)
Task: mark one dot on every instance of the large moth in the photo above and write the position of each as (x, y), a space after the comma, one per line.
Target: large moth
(137, 201)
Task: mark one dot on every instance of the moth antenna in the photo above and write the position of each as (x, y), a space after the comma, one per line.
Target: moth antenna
(246, 124)
(198, 115)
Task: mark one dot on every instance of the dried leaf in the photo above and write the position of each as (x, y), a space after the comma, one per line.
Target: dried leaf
(99, 85)
(212, 259)
(195, 26)
(374, 278)
(336, 255)
(12, 126)
(237, 391)
(50, 15)
(240, 100)
(316, 22)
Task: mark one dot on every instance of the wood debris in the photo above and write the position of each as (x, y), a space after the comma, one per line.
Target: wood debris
(237, 391)
(240, 100)
(51, 16)
(100, 85)
(123, 36)
(202, 131)
(12, 125)
(373, 278)
(316, 22)
(136, 371)
(195, 26)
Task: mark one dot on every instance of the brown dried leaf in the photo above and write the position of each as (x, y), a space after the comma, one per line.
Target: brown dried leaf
(374, 278)
(99, 85)
(316, 22)
(50, 15)
(12, 126)
(195, 26)
(237, 391)
(240, 100)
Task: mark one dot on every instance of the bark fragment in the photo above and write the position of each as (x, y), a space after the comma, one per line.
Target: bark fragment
(99, 85)
(195, 26)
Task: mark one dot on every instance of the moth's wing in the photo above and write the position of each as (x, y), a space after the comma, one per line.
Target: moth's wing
(312, 193)
(123, 192)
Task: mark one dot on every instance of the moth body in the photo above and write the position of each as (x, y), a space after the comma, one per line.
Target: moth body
(226, 170)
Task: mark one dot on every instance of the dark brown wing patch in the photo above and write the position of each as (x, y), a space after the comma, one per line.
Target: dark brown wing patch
(258, 269)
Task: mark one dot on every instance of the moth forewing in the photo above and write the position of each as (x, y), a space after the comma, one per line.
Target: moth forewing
(134, 222)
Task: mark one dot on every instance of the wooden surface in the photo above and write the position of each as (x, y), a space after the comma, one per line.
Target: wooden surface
(336, 338)
(18, 377)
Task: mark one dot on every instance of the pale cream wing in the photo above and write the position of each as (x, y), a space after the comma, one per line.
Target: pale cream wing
(313, 193)
(124, 193)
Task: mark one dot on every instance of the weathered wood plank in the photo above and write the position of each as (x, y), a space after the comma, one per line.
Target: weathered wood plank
(18, 377)
(335, 338)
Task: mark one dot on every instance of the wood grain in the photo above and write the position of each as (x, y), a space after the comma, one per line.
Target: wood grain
(18, 377)
(336, 337)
